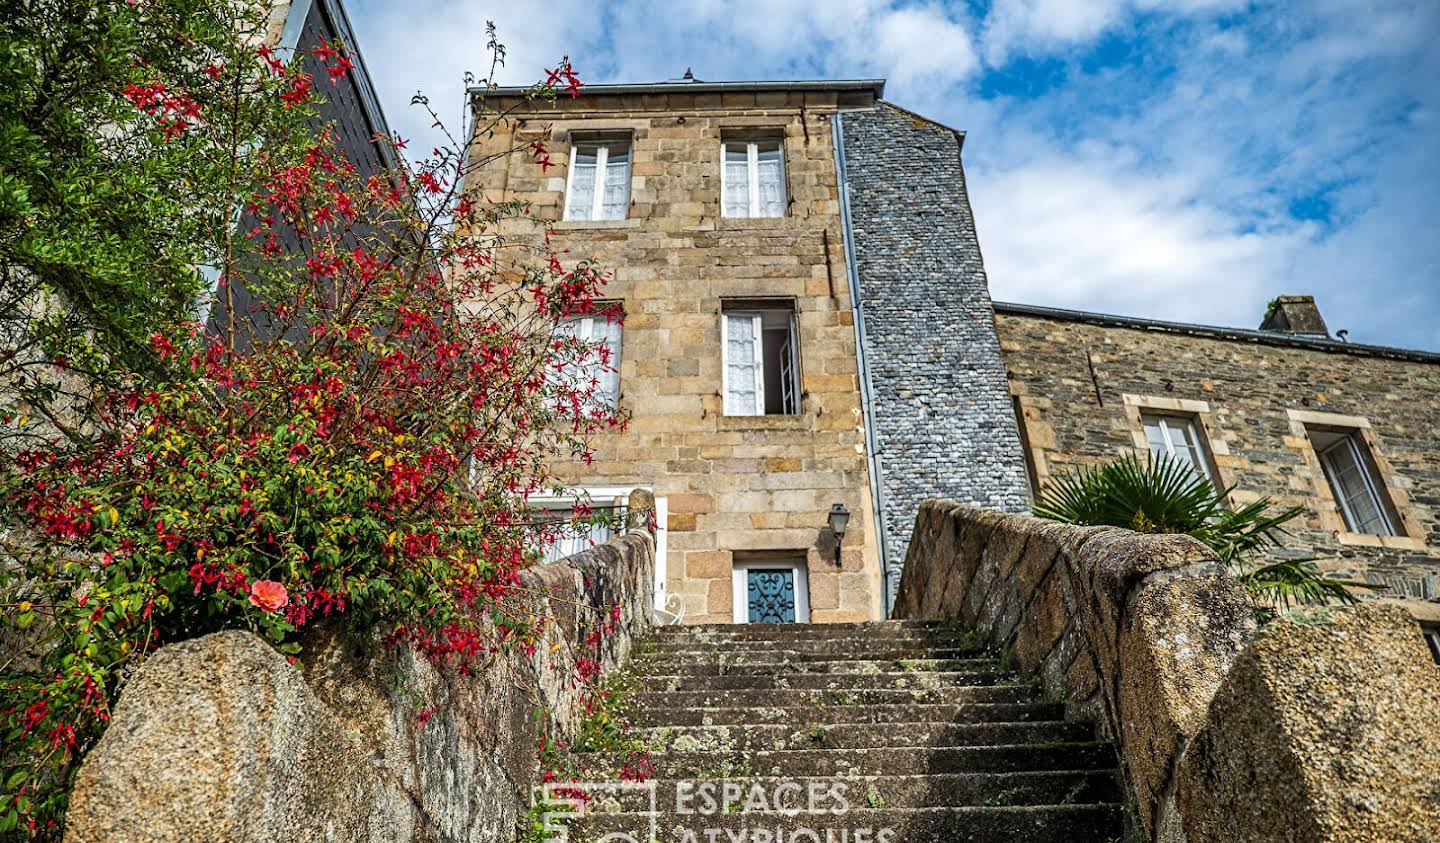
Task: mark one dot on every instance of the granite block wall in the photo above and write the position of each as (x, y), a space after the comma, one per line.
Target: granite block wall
(735, 487)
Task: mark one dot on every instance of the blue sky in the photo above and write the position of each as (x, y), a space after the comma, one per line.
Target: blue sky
(1176, 159)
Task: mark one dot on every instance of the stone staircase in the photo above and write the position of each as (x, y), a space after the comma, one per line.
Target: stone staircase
(893, 732)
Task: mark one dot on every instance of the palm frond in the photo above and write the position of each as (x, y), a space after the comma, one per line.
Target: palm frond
(1292, 581)
(1169, 496)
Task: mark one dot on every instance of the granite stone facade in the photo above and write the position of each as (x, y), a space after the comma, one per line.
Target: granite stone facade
(942, 414)
(1257, 399)
(733, 489)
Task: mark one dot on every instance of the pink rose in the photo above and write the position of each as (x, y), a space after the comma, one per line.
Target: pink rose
(269, 595)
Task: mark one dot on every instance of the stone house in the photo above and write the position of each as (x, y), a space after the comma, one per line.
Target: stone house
(1347, 432)
(808, 327)
(718, 208)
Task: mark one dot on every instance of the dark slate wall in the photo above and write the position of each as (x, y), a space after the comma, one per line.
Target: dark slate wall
(345, 105)
(348, 106)
(941, 410)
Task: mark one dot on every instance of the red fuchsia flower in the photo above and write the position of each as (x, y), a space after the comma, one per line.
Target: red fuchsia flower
(162, 345)
(340, 69)
(268, 595)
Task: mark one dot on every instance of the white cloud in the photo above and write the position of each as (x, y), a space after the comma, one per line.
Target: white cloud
(1089, 233)
(1040, 26)
(1163, 184)
(759, 39)
(427, 46)
(921, 45)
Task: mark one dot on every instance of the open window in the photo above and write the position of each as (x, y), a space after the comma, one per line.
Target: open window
(761, 361)
(1354, 482)
(598, 187)
(753, 181)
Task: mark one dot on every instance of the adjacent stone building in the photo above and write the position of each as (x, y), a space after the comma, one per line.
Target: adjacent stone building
(1346, 431)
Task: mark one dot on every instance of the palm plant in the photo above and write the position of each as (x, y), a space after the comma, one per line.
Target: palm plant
(1169, 496)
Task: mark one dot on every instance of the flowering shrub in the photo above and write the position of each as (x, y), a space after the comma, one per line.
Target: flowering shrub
(353, 433)
(129, 134)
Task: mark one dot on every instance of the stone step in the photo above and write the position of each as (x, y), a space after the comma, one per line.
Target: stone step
(803, 735)
(768, 667)
(973, 712)
(896, 761)
(817, 635)
(853, 643)
(824, 681)
(806, 651)
(1061, 787)
(764, 630)
(974, 824)
(790, 698)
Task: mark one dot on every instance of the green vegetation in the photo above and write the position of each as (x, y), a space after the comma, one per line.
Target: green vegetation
(604, 726)
(1167, 496)
(1008, 796)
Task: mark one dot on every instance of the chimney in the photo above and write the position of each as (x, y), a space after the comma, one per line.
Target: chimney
(1295, 315)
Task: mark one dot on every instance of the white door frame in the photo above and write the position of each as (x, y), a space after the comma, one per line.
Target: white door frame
(740, 586)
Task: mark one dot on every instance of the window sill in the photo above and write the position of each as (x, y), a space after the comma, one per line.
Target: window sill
(582, 225)
(752, 223)
(1373, 540)
(775, 422)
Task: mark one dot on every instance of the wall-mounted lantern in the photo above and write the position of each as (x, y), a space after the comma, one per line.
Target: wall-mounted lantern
(839, 520)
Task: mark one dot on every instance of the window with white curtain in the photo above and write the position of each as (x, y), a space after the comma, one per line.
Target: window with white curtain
(1357, 491)
(569, 535)
(600, 332)
(1178, 438)
(753, 182)
(599, 184)
(760, 362)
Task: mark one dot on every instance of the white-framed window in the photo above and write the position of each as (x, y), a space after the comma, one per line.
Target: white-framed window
(607, 504)
(753, 178)
(600, 364)
(760, 362)
(1352, 481)
(768, 589)
(599, 184)
(560, 504)
(1178, 438)
(572, 540)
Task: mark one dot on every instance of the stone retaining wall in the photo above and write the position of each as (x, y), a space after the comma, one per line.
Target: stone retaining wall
(220, 739)
(1148, 635)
